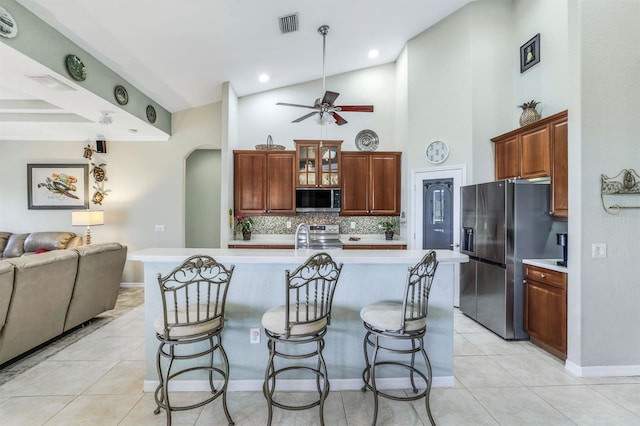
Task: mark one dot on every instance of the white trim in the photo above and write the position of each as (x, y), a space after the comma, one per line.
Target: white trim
(295, 385)
(132, 285)
(457, 172)
(602, 370)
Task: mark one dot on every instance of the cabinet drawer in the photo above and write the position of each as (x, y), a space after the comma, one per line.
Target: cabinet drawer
(547, 276)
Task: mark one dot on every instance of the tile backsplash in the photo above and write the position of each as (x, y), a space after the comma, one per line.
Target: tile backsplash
(278, 224)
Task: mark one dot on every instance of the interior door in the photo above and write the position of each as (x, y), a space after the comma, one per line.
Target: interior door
(416, 237)
(437, 229)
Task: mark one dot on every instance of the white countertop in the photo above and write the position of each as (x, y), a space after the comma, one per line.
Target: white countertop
(546, 263)
(363, 239)
(288, 256)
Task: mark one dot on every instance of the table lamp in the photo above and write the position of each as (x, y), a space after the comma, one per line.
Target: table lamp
(87, 218)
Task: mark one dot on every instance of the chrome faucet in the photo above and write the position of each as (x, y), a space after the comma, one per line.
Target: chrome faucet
(305, 228)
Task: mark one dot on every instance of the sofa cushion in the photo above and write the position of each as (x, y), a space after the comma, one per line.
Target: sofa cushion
(47, 240)
(15, 245)
(4, 237)
(6, 289)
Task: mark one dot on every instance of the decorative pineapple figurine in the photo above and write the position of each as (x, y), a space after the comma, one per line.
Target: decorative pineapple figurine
(529, 113)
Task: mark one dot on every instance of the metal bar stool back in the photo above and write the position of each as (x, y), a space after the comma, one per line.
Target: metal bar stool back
(303, 320)
(390, 322)
(193, 301)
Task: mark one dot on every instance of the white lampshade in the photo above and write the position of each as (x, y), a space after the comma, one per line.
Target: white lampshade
(87, 218)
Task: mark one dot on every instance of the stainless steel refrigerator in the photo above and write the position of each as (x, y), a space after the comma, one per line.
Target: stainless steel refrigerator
(502, 223)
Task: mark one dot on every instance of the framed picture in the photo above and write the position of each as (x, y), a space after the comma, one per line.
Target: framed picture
(58, 186)
(530, 53)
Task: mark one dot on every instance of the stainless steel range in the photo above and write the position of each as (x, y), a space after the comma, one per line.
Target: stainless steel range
(324, 237)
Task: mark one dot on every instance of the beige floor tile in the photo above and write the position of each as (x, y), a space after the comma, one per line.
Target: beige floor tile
(518, 406)
(358, 407)
(57, 378)
(462, 347)
(627, 395)
(464, 324)
(533, 370)
(95, 410)
(492, 344)
(451, 406)
(246, 408)
(31, 410)
(142, 413)
(480, 371)
(585, 406)
(108, 348)
(125, 378)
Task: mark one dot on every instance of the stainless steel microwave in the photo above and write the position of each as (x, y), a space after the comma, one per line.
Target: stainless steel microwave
(317, 200)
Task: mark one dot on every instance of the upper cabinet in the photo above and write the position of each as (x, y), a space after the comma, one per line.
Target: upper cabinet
(318, 163)
(371, 183)
(264, 182)
(537, 150)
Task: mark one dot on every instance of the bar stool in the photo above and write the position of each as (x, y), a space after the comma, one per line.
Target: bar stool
(302, 320)
(392, 325)
(193, 299)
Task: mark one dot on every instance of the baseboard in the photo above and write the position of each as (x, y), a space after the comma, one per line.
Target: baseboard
(602, 370)
(294, 385)
(132, 285)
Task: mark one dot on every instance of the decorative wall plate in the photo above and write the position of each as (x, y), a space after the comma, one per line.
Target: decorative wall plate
(151, 114)
(122, 97)
(367, 140)
(76, 68)
(437, 152)
(8, 25)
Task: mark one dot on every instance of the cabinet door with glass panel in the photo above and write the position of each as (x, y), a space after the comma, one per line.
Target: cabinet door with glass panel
(318, 163)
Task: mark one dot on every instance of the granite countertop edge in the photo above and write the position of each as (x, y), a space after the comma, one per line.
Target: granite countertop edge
(546, 263)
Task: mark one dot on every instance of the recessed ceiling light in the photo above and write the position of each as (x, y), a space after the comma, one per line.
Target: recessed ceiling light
(373, 53)
(133, 130)
(263, 78)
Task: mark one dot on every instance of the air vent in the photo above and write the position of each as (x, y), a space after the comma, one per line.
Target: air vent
(288, 23)
(51, 82)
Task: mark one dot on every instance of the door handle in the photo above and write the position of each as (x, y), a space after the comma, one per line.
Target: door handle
(454, 245)
(543, 275)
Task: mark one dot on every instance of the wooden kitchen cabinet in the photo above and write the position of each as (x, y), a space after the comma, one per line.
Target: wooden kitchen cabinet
(537, 150)
(546, 309)
(264, 183)
(370, 183)
(318, 163)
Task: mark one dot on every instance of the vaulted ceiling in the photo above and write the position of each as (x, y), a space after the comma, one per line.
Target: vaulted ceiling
(180, 53)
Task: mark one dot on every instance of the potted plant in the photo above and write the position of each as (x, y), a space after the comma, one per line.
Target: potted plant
(246, 225)
(388, 227)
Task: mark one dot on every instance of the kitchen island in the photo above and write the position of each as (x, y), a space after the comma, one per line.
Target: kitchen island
(258, 284)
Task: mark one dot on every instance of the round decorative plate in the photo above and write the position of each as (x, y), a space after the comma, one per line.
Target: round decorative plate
(76, 68)
(121, 95)
(437, 152)
(367, 140)
(151, 114)
(8, 25)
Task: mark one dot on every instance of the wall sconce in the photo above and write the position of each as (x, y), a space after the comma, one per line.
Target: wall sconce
(87, 218)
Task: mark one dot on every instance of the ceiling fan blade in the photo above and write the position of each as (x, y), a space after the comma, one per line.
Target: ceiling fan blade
(339, 120)
(304, 117)
(330, 97)
(296, 105)
(356, 108)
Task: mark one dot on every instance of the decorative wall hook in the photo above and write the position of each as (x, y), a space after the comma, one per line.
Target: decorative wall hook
(624, 183)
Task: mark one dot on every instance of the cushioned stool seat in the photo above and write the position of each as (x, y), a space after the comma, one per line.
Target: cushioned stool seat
(398, 328)
(193, 301)
(301, 323)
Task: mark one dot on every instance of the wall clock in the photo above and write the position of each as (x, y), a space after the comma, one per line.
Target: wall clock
(437, 152)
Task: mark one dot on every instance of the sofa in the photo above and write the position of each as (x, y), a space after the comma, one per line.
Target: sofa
(46, 294)
(16, 245)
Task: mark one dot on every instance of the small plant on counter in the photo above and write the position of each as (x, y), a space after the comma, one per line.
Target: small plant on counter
(388, 225)
(244, 223)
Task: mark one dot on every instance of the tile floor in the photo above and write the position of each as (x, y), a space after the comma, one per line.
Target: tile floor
(497, 383)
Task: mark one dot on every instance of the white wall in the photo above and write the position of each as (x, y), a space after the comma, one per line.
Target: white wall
(146, 180)
(603, 139)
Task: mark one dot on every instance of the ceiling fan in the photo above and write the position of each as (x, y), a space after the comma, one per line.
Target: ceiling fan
(325, 107)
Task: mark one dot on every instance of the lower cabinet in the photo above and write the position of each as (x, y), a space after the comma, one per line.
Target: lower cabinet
(546, 309)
